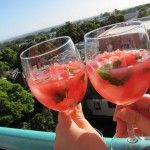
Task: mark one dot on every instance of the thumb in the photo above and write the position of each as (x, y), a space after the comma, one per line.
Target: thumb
(78, 117)
(64, 119)
(121, 129)
(65, 124)
(67, 127)
(135, 118)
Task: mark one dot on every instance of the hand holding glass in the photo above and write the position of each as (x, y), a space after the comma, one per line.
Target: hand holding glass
(118, 63)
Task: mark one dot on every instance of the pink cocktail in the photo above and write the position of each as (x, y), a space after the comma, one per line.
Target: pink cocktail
(60, 87)
(55, 73)
(121, 77)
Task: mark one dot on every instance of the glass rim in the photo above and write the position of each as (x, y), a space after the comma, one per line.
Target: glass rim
(100, 28)
(45, 53)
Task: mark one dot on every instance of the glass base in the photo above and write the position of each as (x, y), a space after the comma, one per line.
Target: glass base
(143, 143)
(132, 140)
(125, 144)
(144, 138)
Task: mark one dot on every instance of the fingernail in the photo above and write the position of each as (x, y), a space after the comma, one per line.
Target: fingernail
(79, 106)
(121, 113)
(118, 114)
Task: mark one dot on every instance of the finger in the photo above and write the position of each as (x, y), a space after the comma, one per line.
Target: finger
(135, 118)
(116, 109)
(77, 112)
(66, 124)
(78, 117)
(121, 129)
(143, 103)
(64, 119)
(66, 129)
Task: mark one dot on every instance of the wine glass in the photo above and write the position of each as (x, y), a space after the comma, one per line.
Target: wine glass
(118, 65)
(55, 73)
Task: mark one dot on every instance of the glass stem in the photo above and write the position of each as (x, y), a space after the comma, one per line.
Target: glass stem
(131, 134)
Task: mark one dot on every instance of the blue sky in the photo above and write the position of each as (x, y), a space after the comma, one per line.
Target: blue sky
(24, 16)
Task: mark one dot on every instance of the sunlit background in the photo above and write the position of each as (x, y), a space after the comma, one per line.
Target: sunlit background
(24, 16)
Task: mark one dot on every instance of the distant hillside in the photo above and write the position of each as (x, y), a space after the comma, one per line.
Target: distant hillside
(129, 13)
(137, 8)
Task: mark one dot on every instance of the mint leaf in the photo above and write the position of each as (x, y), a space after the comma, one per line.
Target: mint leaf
(145, 70)
(106, 67)
(116, 81)
(60, 95)
(116, 64)
(106, 75)
(127, 75)
(138, 57)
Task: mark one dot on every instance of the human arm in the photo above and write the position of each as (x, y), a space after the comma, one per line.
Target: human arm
(74, 132)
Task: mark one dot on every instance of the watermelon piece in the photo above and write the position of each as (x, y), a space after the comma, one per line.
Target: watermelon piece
(111, 70)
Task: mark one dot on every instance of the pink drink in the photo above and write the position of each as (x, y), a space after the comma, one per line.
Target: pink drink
(61, 86)
(120, 76)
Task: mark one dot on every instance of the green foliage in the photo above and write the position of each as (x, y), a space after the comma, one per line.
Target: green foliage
(9, 56)
(46, 121)
(106, 14)
(137, 8)
(77, 31)
(72, 30)
(143, 12)
(115, 17)
(4, 68)
(43, 121)
(89, 25)
(15, 103)
(41, 37)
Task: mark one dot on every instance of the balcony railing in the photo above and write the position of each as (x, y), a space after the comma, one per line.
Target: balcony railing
(19, 139)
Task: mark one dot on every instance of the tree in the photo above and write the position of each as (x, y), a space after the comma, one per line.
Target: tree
(116, 12)
(115, 17)
(119, 18)
(106, 14)
(143, 12)
(9, 56)
(89, 25)
(4, 67)
(77, 30)
(46, 121)
(72, 30)
(15, 103)
(43, 121)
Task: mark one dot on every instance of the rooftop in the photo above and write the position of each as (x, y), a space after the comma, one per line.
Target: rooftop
(146, 21)
(120, 29)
